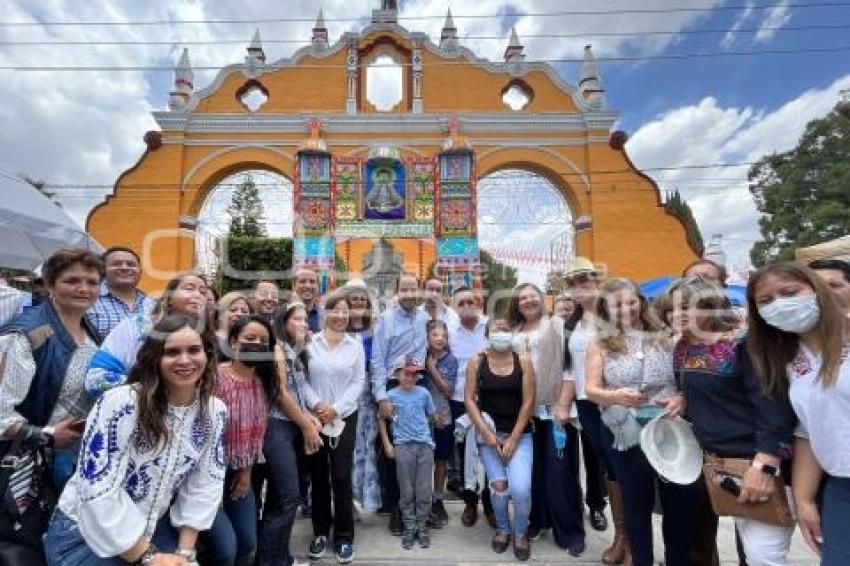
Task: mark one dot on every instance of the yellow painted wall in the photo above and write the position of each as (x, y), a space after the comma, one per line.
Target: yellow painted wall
(632, 234)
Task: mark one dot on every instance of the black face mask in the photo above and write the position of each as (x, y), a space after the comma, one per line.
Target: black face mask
(254, 351)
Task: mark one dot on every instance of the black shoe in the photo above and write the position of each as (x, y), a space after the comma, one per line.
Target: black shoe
(317, 548)
(455, 486)
(345, 553)
(423, 538)
(576, 549)
(523, 553)
(500, 546)
(534, 533)
(408, 539)
(598, 520)
(395, 525)
(438, 510)
(383, 510)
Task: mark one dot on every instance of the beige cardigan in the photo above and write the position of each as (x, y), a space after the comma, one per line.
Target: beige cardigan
(550, 372)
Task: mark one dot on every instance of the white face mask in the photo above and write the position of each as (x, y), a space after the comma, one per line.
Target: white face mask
(792, 314)
(500, 341)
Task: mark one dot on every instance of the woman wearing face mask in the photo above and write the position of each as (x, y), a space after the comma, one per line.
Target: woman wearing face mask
(800, 344)
(184, 294)
(630, 366)
(246, 384)
(556, 500)
(334, 384)
(500, 384)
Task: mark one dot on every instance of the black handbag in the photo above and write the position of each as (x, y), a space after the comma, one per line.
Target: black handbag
(28, 498)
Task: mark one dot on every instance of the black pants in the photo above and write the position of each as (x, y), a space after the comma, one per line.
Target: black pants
(469, 496)
(387, 476)
(556, 498)
(330, 473)
(638, 482)
(591, 448)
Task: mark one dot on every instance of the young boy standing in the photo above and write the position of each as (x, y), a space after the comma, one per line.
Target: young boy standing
(413, 450)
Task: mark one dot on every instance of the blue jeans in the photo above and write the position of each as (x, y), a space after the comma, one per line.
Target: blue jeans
(232, 539)
(517, 472)
(835, 516)
(64, 544)
(282, 443)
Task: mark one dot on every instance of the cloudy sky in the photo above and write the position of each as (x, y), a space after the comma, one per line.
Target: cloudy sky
(85, 127)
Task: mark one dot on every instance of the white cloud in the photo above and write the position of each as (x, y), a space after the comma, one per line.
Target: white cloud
(743, 17)
(774, 18)
(707, 133)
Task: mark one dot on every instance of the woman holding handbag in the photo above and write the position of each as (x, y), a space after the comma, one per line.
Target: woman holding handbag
(734, 419)
(629, 373)
(151, 467)
(800, 344)
(44, 354)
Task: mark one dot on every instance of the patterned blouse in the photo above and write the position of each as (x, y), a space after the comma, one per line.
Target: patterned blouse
(123, 485)
(247, 412)
(19, 370)
(643, 363)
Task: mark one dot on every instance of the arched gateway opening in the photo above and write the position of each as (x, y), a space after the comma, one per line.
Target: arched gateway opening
(402, 168)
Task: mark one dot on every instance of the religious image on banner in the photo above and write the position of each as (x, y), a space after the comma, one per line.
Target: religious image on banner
(385, 191)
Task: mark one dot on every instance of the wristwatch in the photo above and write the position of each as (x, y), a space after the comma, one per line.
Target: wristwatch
(190, 554)
(766, 469)
(147, 556)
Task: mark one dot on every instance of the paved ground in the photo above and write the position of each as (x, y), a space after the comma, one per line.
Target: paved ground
(455, 544)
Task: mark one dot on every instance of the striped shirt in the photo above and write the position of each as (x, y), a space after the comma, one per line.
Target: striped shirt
(247, 413)
(399, 333)
(11, 303)
(109, 309)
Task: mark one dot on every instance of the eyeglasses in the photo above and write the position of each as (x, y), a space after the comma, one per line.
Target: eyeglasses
(466, 303)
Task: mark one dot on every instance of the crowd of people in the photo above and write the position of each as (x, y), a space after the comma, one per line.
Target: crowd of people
(193, 429)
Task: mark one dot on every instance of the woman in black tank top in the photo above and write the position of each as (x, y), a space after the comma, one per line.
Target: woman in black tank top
(499, 400)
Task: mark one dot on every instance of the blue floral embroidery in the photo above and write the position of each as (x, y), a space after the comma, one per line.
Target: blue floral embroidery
(200, 431)
(100, 445)
(139, 481)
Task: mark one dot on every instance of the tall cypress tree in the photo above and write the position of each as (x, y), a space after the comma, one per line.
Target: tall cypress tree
(246, 210)
(677, 206)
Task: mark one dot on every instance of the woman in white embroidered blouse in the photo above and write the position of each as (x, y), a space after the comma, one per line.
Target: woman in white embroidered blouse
(151, 447)
(799, 340)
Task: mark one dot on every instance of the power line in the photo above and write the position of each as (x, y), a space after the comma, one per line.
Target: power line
(273, 67)
(619, 11)
(306, 41)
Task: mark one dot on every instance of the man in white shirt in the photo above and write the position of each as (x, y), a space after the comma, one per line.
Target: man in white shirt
(435, 307)
(467, 339)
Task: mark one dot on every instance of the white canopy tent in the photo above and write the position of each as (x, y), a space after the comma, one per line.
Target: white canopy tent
(32, 227)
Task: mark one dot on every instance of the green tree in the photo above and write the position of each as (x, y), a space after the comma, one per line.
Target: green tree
(677, 206)
(495, 276)
(249, 259)
(803, 195)
(246, 210)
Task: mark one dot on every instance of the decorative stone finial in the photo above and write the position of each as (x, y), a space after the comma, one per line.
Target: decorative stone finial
(255, 49)
(590, 83)
(183, 84)
(515, 49)
(320, 32)
(387, 14)
(448, 37)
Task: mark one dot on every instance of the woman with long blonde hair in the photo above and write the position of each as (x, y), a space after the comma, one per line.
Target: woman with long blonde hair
(629, 374)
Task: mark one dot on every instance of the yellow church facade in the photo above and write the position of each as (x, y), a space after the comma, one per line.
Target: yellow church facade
(407, 174)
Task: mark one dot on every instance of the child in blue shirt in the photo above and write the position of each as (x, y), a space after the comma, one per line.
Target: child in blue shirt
(413, 451)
